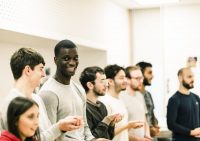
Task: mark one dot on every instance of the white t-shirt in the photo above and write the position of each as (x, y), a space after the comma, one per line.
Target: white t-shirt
(115, 106)
(136, 107)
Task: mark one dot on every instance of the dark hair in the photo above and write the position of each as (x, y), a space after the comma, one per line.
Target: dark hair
(47, 71)
(143, 66)
(63, 44)
(89, 75)
(16, 108)
(195, 58)
(22, 58)
(112, 70)
(129, 69)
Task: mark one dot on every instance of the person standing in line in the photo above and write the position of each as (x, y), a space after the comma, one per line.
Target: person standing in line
(134, 102)
(147, 72)
(62, 96)
(94, 82)
(27, 68)
(117, 83)
(183, 109)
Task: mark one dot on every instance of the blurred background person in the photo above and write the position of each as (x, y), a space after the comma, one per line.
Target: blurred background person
(135, 104)
(147, 72)
(23, 121)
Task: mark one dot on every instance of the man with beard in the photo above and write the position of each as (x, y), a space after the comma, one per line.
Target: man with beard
(116, 83)
(146, 69)
(94, 82)
(183, 111)
(134, 102)
(62, 96)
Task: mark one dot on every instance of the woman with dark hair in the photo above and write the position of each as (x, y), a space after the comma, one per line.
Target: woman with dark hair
(22, 119)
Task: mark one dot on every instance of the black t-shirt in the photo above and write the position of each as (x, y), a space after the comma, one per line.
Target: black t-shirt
(183, 115)
(95, 114)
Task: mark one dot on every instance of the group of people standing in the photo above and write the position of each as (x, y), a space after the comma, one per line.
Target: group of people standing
(112, 103)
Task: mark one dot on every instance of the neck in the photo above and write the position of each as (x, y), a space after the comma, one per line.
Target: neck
(183, 90)
(92, 97)
(23, 138)
(62, 79)
(24, 87)
(113, 92)
(130, 91)
(142, 90)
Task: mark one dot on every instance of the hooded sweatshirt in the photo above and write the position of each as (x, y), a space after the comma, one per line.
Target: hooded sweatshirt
(7, 136)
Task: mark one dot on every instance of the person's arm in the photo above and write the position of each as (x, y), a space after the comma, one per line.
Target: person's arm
(130, 124)
(172, 113)
(99, 130)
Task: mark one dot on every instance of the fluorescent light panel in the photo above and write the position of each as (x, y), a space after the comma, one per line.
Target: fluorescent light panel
(156, 2)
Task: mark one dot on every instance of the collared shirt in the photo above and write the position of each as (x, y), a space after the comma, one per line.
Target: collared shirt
(151, 119)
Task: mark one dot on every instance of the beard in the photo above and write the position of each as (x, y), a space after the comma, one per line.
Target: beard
(135, 88)
(146, 82)
(187, 85)
(97, 93)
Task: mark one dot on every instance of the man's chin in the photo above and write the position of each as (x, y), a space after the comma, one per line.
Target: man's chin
(71, 73)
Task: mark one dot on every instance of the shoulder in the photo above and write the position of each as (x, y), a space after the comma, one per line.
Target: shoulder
(78, 87)
(195, 96)
(7, 136)
(175, 98)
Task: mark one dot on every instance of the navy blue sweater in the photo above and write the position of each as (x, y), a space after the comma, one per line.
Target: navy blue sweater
(183, 115)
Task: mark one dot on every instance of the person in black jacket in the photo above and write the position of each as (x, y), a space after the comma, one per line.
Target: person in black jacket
(183, 111)
(94, 82)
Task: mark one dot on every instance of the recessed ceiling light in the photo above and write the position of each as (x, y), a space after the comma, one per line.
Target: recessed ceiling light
(156, 2)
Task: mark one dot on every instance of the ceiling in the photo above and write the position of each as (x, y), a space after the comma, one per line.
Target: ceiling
(133, 4)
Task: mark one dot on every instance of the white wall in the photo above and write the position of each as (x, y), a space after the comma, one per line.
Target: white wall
(166, 37)
(147, 46)
(95, 23)
(88, 56)
(99, 27)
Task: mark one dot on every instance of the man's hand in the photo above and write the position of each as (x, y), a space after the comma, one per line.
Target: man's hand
(100, 139)
(135, 124)
(154, 130)
(195, 132)
(70, 123)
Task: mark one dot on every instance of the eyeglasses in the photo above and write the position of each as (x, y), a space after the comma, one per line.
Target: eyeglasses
(137, 78)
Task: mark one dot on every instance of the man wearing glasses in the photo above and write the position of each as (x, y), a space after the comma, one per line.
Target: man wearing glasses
(135, 104)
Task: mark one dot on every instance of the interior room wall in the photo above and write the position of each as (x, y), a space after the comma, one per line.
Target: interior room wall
(95, 23)
(87, 56)
(165, 37)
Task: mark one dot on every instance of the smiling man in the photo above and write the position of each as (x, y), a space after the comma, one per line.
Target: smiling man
(62, 97)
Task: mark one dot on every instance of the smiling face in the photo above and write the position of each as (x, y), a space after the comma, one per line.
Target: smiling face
(120, 81)
(67, 61)
(36, 74)
(28, 122)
